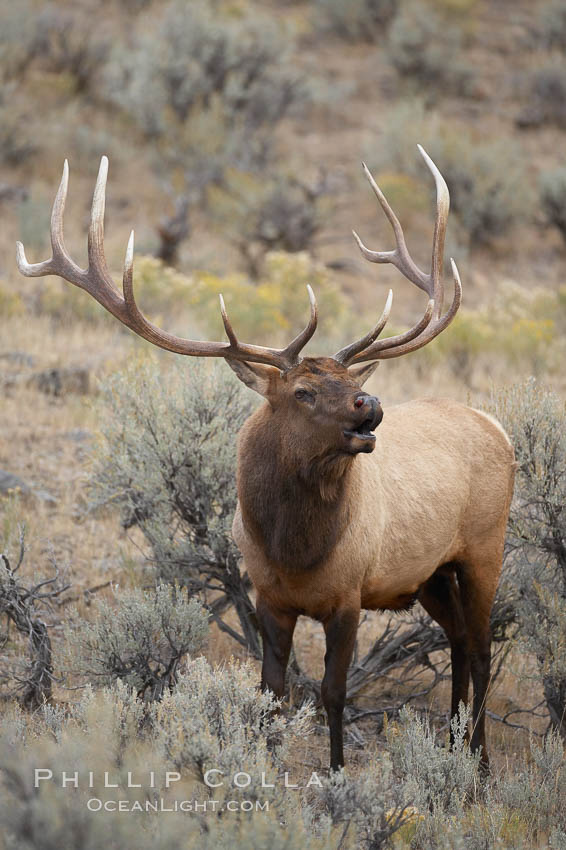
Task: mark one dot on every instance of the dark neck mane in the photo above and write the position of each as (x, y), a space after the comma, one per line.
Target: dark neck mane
(296, 512)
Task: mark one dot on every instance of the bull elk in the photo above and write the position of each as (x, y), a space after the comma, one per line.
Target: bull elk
(333, 517)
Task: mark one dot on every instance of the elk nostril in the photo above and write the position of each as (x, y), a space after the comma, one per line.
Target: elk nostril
(359, 402)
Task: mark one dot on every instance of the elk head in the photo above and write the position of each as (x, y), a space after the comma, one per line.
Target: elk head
(318, 403)
(319, 399)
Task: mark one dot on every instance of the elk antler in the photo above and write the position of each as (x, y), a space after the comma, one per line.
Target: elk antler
(432, 322)
(96, 280)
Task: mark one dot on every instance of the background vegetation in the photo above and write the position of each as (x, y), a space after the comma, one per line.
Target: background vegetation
(127, 633)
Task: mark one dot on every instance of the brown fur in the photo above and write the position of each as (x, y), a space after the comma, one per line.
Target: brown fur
(436, 488)
(295, 516)
(325, 531)
(292, 483)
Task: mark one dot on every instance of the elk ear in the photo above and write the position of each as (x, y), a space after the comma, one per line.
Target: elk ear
(363, 372)
(256, 376)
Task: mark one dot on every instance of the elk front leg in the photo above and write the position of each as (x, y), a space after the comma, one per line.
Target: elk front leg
(341, 629)
(276, 629)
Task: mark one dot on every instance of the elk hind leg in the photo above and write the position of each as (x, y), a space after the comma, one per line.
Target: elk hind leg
(478, 578)
(440, 597)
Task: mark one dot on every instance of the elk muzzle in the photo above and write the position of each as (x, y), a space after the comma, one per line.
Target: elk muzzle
(368, 415)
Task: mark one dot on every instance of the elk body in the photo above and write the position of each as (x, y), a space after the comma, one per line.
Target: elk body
(332, 517)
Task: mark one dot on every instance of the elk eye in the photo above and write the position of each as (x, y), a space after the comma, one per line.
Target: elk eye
(303, 395)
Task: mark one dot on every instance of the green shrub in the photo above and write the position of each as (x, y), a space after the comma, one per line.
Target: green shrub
(140, 639)
(373, 811)
(286, 277)
(17, 144)
(552, 186)
(215, 718)
(530, 341)
(536, 793)
(70, 41)
(535, 419)
(441, 783)
(356, 20)
(16, 40)
(483, 183)
(426, 49)
(458, 9)
(90, 144)
(166, 461)
(488, 193)
(208, 88)
(261, 215)
(545, 96)
(134, 6)
(552, 25)
(198, 60)
(408, 196)
(440, 779)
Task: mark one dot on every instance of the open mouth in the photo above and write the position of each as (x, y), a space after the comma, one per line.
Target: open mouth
(363, 431)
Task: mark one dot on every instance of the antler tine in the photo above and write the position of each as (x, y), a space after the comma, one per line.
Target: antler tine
(96, 258)
(399, 257)
(288, 356)
(227, 324)
(432, 322)
(292, 351)
(421, 334)
(371, 351)
(59, 262)
(96, 280)
(346, 354)
(441, 220)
